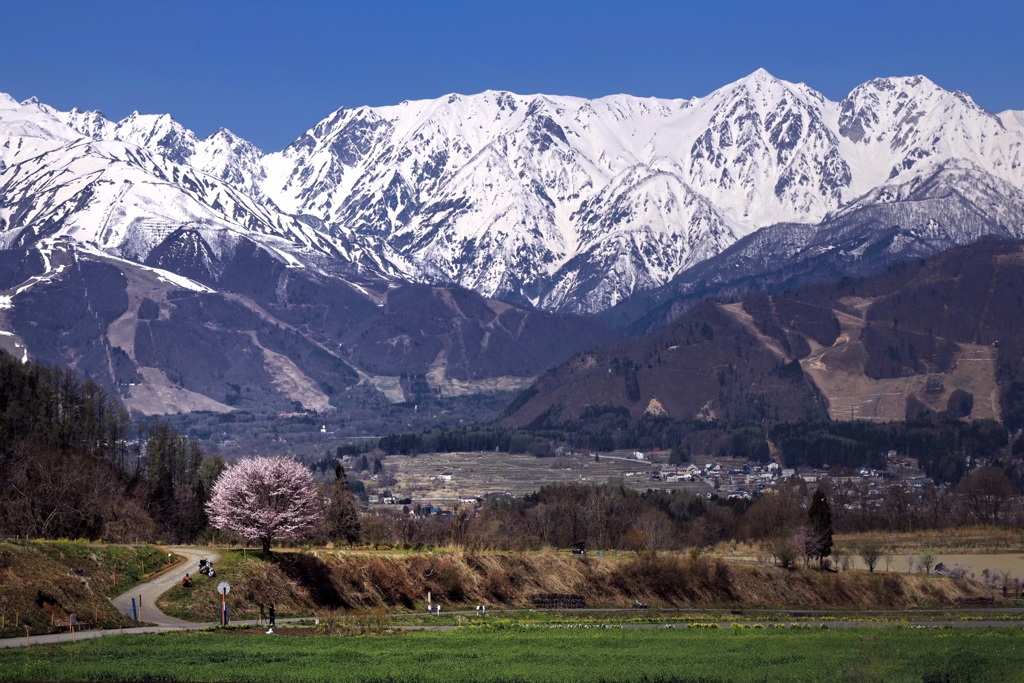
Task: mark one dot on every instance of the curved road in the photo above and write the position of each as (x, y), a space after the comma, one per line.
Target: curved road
(151, 590)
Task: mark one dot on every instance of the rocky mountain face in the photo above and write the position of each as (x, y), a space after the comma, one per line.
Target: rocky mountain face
(164, 281)
(575, 204)
(956, 204)
(558, 203)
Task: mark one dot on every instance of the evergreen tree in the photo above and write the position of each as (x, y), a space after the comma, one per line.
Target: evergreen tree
(819, 517)
(175, 489)
(342, 520)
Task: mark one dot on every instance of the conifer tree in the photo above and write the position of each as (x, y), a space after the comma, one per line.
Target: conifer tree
(819, 517)
(341, 516)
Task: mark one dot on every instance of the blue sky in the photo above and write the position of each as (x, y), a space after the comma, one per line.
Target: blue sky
(270, 70)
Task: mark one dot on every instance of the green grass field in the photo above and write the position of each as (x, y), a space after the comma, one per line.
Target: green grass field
(538, 653)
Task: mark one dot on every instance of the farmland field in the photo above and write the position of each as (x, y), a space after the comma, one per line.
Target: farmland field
(477, 474)
(538, 653)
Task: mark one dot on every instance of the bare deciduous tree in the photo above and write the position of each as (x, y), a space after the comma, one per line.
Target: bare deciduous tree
(927, 561)
(870, 553)
(985, 492)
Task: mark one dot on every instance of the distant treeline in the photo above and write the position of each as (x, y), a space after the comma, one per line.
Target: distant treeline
(600, 429)
(941, 446)
(55, 409)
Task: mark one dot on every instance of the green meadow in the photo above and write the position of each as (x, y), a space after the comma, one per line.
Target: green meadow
(538, 653)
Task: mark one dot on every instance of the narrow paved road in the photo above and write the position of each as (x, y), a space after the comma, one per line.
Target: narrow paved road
(146, 593)
(150, 591)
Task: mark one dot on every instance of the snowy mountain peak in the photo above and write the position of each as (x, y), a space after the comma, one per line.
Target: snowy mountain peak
(765, 89)
(756, 81)
(563, 202)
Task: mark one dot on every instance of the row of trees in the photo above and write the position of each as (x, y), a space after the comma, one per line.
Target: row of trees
(67, 462)
(267, 498)
(789, 520)
(55, 409)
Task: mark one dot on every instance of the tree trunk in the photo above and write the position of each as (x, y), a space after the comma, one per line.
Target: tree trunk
(266, 546)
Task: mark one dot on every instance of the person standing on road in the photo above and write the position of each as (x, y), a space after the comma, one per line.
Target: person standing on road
(270, 615)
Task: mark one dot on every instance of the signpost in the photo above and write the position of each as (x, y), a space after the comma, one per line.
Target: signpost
(223, 588)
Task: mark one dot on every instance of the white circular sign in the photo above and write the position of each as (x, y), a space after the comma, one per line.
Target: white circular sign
(223, 588)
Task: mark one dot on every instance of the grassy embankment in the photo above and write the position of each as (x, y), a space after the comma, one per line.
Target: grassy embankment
(324, 581)
(538, 654)
(43, 582)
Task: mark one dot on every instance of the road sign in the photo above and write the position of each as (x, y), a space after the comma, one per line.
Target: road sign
(223, 588)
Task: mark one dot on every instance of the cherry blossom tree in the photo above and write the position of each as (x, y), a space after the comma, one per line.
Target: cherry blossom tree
(265, 498)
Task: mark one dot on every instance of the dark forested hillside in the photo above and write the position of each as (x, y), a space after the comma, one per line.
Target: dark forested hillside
(922, 338)
(465, 336)
(72, 465)
(712, 363)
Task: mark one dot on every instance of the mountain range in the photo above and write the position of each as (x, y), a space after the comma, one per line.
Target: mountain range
(204, 273)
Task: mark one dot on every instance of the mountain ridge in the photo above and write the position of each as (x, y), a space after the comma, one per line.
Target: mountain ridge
(893, 346)
(499, 193)
(634, 208)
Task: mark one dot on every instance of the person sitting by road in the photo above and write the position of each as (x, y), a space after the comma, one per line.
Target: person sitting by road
(186, 582)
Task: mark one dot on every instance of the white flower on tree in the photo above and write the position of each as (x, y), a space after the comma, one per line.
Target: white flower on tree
(265, 498)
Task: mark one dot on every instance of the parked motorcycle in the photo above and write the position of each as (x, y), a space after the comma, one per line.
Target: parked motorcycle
(206, 568)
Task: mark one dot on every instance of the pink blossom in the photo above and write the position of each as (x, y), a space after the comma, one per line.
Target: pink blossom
(265, 498)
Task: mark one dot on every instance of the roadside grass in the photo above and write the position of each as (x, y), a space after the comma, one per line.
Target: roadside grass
(747, 617)
(297, 583)
(200, 602)
(115, 568)
(539, 653)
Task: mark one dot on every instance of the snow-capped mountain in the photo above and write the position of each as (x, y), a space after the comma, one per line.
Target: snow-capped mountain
(564, 203)
(90, 184)
(559, 203)
(574, 204)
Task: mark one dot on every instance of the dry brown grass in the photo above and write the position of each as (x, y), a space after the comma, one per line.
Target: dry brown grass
(973, 539)
(839, 374)
(364, 582)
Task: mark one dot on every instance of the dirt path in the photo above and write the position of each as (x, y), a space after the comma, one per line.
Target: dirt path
(147, 593)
